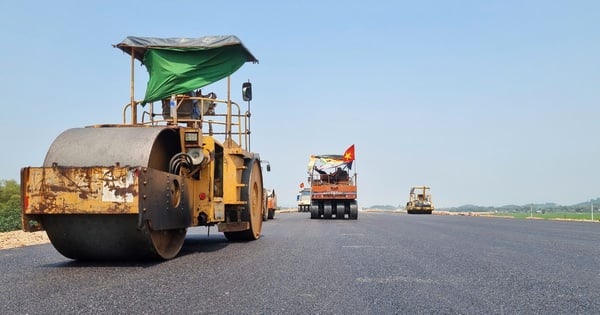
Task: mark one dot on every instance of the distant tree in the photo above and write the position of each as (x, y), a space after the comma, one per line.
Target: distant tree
(8, 189)
(10, 206)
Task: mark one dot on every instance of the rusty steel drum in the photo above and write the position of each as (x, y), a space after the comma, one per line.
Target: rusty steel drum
(105, 236)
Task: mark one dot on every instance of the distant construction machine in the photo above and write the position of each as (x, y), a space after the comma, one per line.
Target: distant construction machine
(303, 199)
(419, 201)
(271, 204)
(333, 189)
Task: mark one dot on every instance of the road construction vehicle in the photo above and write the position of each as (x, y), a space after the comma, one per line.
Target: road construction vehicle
(333, 188)
(303, 199)
(271, 204)
(130, 190)
(419, 201)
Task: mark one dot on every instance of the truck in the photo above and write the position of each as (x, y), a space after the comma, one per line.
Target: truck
(180, 158)
(303, 199)
(333, 186)
(419, 201)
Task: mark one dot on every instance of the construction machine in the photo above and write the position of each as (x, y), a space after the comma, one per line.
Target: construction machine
(271, 204)
(130, 190)
(419, 201)
(333, 188)
(303, 199)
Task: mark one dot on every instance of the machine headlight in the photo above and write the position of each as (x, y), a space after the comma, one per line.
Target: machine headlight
(191, 137)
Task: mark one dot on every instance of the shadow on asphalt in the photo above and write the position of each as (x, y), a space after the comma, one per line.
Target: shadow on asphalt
(198, 243)
(193, 244)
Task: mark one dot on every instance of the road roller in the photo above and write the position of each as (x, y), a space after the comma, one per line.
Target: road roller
(333, 188)
(419, 201)
(180, 158)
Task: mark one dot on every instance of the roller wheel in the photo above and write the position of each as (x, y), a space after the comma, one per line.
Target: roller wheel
(353, 211)
(327, 211)
(167, 243)
(106, 236)
(110, 237)
(271, 214)
(339, 211)
(252, 193)
(265, 212)
(314, 211)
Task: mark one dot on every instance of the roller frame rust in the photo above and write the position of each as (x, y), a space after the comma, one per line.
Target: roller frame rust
(105, 190)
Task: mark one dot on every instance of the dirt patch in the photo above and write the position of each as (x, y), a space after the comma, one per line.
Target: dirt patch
(19, 239)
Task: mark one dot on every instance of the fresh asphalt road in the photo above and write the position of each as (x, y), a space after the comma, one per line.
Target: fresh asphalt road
(383, 263)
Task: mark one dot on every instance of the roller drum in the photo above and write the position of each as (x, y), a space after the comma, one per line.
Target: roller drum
(106, 236)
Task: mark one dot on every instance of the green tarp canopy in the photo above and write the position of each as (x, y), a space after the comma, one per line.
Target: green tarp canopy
(181, 65)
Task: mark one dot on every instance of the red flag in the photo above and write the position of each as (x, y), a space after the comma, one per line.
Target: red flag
(349, 154)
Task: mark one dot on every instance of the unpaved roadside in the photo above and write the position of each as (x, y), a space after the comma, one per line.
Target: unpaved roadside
(19, 239)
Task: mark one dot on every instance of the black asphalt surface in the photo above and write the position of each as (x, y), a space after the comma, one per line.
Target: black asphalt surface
(383, 263)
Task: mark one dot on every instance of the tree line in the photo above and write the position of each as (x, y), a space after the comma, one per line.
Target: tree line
(10, 206)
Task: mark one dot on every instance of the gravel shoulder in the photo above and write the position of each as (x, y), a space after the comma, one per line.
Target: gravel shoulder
(14, 239)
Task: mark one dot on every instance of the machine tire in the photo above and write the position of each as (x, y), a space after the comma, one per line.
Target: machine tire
(265, 211)
(340, 211)
(252, 193)
(314, 211)
(353, 211)
(327, 212)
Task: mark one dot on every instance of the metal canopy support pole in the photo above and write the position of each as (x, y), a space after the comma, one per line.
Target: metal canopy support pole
(247, 132)
(228, 123)
(132, 100)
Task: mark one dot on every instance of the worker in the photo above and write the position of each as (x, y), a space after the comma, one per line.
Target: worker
(339, 175)
(209, 106)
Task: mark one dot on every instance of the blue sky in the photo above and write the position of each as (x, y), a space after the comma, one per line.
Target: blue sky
(487, 102)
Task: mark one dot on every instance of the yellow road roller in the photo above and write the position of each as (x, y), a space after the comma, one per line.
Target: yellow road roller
(419, 201)
(180, 158)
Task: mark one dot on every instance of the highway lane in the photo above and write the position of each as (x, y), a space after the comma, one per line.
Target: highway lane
(383, 263)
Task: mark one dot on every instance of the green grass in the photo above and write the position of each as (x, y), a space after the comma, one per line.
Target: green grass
(556, 215)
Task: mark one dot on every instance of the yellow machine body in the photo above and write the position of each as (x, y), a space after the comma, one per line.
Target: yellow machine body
(419, 201)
